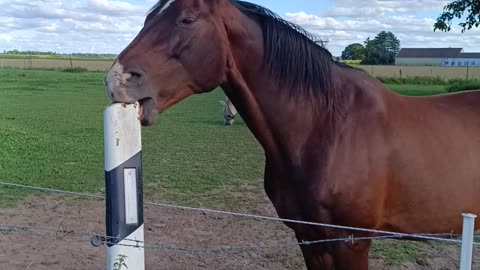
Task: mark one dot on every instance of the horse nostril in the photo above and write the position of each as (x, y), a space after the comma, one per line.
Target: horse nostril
(135, 76)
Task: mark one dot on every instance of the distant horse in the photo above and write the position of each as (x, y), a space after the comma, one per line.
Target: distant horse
(340, 148)
(228, 111)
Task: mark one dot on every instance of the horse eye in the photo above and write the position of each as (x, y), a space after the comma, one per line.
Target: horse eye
(187, 20)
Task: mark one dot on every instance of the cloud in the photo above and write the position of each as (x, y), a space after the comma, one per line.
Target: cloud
(107, 26)
(115, 8)
(5, 38)
(411, 29)
(69, 26)
(378, 8)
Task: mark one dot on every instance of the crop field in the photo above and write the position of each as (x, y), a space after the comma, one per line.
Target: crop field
(51, 135)
(104, 63)
(56, 63)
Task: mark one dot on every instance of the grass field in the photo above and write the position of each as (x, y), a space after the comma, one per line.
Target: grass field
(51, 136)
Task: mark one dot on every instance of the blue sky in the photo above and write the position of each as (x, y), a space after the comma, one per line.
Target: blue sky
(107, 26)
(279, 6)
(285, 6)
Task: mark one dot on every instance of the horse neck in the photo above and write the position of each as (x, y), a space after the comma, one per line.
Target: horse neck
(283, 125)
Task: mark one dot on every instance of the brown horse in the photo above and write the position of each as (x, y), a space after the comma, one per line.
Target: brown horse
(340, 148)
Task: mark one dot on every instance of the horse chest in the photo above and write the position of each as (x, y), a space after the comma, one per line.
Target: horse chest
(295, 197)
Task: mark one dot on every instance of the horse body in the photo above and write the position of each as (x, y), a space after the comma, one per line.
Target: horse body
(387, 164)
(339, 147)
(435, 147)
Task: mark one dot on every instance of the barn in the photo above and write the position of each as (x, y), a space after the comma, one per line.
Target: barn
(463, 60)
(451, 57)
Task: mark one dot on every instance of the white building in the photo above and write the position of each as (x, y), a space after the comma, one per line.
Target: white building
(447, 57)
(463, 60)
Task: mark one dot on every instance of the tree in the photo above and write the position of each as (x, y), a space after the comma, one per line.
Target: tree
(354, 51)
(381, 50)
(456, 9)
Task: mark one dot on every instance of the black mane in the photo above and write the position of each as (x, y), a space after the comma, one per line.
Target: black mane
(294, 56)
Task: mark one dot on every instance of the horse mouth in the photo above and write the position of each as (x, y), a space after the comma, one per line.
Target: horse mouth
(146, 113)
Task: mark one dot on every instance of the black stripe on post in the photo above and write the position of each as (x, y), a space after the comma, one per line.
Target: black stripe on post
(117, 225)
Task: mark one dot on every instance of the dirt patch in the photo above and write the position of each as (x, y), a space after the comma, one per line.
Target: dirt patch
(45, 248)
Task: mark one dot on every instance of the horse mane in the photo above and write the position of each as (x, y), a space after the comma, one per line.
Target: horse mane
(296, 58)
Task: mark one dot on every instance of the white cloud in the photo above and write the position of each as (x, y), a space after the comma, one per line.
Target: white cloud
(69, 26)
(411, 29)
(5, 38)
(378, 8)
(115, 8)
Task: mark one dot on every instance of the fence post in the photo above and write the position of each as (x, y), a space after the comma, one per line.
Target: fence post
(123, 188)
(467, 241)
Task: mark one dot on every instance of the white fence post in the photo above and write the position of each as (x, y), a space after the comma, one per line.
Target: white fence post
(123, 188)
(467, 241)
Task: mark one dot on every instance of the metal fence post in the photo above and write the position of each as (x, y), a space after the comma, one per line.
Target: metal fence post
(467, 241)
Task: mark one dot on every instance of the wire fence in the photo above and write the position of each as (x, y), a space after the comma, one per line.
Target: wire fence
(388, 71)
(99, 240)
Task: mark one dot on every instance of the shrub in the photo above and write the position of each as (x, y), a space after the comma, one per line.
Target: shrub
(414, 80)
(463, 86)
(75, 70)
(351, 62)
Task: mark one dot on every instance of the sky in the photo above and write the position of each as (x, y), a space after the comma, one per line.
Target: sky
(107, 26)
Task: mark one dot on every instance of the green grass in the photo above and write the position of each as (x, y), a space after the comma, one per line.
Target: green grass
(417, 90)
(397, 251)
(51, 135)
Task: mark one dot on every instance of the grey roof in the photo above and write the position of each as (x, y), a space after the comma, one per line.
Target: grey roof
(469, 55)
(429, 52)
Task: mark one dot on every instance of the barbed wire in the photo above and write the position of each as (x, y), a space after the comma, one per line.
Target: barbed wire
(106, 240)
(53, 190)
(443, 237)
(174, 248)
(75, 237)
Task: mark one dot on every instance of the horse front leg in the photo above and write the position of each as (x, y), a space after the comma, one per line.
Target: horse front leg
(316, 256)
(338, 255)
(347, 255)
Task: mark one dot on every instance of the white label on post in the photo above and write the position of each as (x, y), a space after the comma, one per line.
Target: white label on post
(130, 182)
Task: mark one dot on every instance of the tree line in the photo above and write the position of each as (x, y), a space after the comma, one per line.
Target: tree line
(380, 50)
